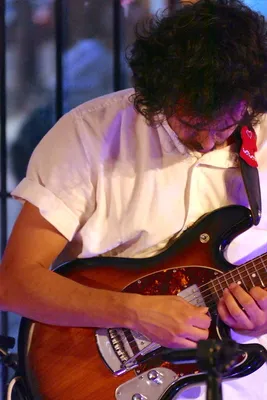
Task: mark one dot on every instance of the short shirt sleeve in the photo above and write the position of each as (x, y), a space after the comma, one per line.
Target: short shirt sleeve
(58, 179)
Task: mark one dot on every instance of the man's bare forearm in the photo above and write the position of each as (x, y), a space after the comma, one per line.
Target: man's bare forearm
(47, 297)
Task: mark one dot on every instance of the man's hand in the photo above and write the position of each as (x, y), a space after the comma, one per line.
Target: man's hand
(244, 312)
(171, 321)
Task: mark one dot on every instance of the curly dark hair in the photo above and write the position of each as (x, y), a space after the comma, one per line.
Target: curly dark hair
(199, 60)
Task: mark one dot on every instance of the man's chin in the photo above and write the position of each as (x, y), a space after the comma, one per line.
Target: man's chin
(199, 148)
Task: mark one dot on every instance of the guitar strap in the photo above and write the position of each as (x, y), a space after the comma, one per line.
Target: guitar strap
(250, 175)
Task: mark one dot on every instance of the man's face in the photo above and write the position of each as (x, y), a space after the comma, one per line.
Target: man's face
(204, 138)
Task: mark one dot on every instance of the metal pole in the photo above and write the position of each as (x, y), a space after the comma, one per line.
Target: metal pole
(3, 118)
(59, 37)
(117, 45)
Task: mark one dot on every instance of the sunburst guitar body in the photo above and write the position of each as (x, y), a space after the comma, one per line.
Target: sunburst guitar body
(64, 363)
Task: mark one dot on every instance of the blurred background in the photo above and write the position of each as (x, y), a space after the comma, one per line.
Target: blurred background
(54, 55)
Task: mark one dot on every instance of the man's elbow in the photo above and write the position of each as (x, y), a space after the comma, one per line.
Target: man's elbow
(9, 293)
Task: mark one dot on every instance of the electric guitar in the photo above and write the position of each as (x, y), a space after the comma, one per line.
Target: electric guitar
(62, 363)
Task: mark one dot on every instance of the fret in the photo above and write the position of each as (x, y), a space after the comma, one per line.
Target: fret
(263, 263)
(226, 280)
(256, 273)
(214, 288)
(237, 281)
(263, 269)
(219, 281)
(261, 281)
(233, 279)
(241, 278)
(245, 265)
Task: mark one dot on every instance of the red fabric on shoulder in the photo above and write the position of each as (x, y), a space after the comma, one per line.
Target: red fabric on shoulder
(249, 146)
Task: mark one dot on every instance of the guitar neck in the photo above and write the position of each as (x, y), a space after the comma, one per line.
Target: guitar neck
(250, 274)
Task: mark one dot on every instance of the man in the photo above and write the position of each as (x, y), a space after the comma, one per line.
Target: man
(124, 173)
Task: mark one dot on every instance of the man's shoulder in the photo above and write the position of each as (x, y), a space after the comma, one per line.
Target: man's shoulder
(110, 103)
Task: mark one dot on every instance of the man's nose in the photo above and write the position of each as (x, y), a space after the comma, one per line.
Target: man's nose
(206, 140)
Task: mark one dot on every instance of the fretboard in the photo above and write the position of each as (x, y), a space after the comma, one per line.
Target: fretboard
(249, 274)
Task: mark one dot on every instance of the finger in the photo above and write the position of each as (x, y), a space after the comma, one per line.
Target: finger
(260, 296)
(200, 321)
(225, 315)
(235, 311)
(251, 308)
(203, 310)
(193, 333)
(199, 309)
(183, 343)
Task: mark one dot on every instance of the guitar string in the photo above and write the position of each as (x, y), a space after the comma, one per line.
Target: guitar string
(233, 274)
(236, 272)
(248, 267)
(127, 339)
(213, 304)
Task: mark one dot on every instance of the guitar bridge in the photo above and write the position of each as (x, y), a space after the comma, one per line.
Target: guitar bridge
(122, 348)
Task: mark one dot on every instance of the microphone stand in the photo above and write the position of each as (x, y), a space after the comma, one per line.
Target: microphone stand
(8, 359)
(215, 358)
